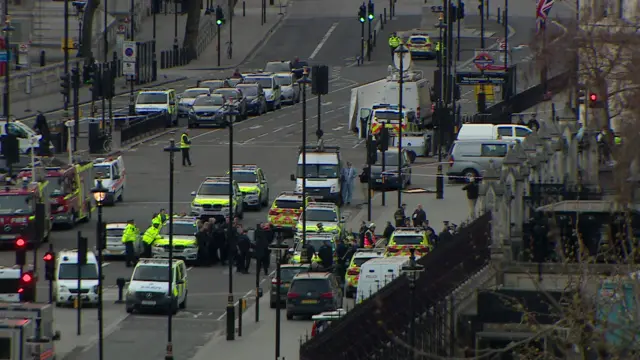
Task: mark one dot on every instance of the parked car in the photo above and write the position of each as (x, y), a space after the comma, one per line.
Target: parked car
(235, 99)
(256, 100)
(207, 110)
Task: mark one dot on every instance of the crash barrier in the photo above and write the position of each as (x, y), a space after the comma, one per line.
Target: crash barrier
(382, 321)
(150, 124)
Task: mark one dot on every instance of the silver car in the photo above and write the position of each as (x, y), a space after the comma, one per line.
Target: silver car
(289, 88)
(186, 99)
(471, 158)
(114, 246)
(208, 110)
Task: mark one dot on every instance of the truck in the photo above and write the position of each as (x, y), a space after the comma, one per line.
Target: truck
(417, 95)
(377, 273)
(69, 189)
(322, 173)
(31, 311)
(19, 202)
(17, 341)
(111, 172)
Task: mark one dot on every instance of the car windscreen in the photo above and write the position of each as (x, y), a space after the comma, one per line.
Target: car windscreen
(287, 273)
(245, 177)
(319, 171)
(418, 40)
(152, 98)
(9, 286)
(283, 80)
(321, 215)
(209, 101)
(180, 229)
(228, 94)
(408, 239)
(277, 67)
(361, 260)
(190, 94)
(102, 172)
(265, 82)
(390, 159)
(249, 90)
(115, 232)
(389, 116)
(15, 204)
(303, 286)
(151, 273)
(288, 204)
(70, 272)
(214, 189)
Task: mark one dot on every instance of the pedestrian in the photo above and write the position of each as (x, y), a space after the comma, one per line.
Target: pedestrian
(129, 237)
(236, 74)
(325, 253)
(521, 120)
(243, 247)
(433, 238)
(388, 231)
(203, 241)
(419, 216)
(394, 42)
(150, 236)
(533, 123)
(220, 241)
(364, 183)
(185, 145)
(399, 216)
(370, 237)
(310, 253)
(213, 244)
(349, 175)
(472, 190)
(361, 232)
(43, 128)
(262, 252)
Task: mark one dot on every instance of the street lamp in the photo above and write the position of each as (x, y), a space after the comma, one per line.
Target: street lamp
(279, 248)
(440, 108)
(79, 14)
(6, 30)
(230, 115)
(99, 195)
(172, 149)
(412, 270)
(304, 81)
(401, 51)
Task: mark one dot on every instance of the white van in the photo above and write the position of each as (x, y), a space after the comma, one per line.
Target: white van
(378, 272)
(323, 168)
(493, 132)
(65, 282)
(27, 137)
(149, 286)
(113, 175)
(9, 283)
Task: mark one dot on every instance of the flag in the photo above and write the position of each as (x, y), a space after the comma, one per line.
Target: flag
(542, 12)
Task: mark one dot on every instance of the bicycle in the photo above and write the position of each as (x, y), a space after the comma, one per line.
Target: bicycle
(229, 49)
(107, 144)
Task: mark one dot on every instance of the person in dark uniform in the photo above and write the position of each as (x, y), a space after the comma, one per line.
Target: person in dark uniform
(310, 252)
(43, 128)
(244, 245)
(262, 252)
(185, 146)
(203, 240)
(325, 253)
(399, 216)
(388, 231)
(213, 244)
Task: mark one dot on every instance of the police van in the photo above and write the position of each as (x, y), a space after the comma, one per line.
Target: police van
(149, 288)
(151, 101)
(322, 173)
(113, 175)
(65, 282)
(9, 283)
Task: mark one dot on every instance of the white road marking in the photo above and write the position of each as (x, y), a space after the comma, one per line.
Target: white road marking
(278, 129)
(255, 127)
(323, 41)
(105, 264)
(263, 135)
(250, 293)
(204, 133)
(338, 128)
(327, 103)
(246, 141)
(189, 268)
(358, 144)
(290, 125)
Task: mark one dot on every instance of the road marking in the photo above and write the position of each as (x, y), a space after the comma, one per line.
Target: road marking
(324, 40)
(105, 264)
(263, 135)
(281, 116)
(358, 144)
(290, 125)
(246, 141)
(278, 129)
(255, 127)
(250, 293)
(327, 103)
(189, 268)
(338, 128)
(205, 133)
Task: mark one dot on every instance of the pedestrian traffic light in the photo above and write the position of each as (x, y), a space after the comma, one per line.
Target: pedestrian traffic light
(87, 73)
(362, 13)
(27, 287)
(595, 101)
(370, 11)
(65, 85)
(461, 11)
(21, 251)
(82, 249)
(49, 265)
(372, 151)
(219, 16)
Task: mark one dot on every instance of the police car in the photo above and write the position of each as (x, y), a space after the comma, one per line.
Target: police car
(420, 46)
(253, 185)
(151, 101)
(285, 210)
(212, 198)
(404, 239)
(112, 173)
(65, 282)
(324, 213)
(352, 276)
(149, 288)
(185, 245)
(114, 245)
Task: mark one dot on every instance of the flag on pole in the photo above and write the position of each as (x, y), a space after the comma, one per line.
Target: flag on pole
(543, 8)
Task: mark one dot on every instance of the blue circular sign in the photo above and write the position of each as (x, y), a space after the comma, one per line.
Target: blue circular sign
(128, 51)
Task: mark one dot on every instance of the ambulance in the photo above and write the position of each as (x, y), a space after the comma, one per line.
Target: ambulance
(111, 172)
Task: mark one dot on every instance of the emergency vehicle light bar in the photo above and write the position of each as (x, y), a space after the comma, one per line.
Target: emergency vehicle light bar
(324, 205)
(155, 261)
(315, 148)
(322, 235)
(290, 193)
(245, 166)
(408, 230)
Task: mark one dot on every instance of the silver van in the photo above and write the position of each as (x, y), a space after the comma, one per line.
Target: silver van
(471, 158)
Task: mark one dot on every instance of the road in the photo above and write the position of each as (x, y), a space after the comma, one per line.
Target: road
(271, 141)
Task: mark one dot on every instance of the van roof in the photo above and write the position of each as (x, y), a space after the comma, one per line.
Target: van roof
(71, 257)
(157, 262)
(393, 260)
(320, 158)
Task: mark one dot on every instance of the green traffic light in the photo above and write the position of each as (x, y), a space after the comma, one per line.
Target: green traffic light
(219, 22)
(361, 19)
(370, 16)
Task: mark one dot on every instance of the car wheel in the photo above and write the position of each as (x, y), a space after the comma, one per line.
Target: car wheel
(289, 316)
(74, 219)
(468, 174)
(184, 303)
(279, 105)
(240, 212)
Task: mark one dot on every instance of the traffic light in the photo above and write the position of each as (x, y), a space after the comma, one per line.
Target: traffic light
(65, 85)
(581, 94)
(86, 74)
(219, 16)
(11, 148)
(82, 249)
(49, 265)
(453, 13)
(595, 102)
(370, 11)
(27, 287)
(96, 84)
(482, 103)
(75, 78)
(21, 251)
(372, 151)
(461, 11)
(362, 13)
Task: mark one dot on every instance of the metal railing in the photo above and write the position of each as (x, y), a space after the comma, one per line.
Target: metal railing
(382, 321)
(139, 127)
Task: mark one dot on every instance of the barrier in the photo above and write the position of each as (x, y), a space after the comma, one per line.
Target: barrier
(140, 128)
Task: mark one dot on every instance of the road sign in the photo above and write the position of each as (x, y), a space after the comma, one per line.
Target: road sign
(122, 29)
(502, 44)
(4, 57)
(471, 78)
(483, 60)
(129, 68)
(23, 48)
(129, 51)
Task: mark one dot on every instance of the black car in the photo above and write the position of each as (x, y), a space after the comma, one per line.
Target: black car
(256, 101)
(312, 293)
(207, 110)
(235, 99)
(389, 179)
(287, 273)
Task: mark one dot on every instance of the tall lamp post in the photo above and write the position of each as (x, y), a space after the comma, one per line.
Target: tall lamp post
(6, 30)
(400, 52)
(304, 81)
(99, 194)
(279, 248)
(230, 114)
(172, 149)
(412, 270)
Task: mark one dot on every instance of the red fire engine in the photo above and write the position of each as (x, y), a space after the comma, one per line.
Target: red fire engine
(70, 192)
(18, 201)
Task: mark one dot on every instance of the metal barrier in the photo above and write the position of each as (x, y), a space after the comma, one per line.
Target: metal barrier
(140, 128)
(145, 62)
(173, 58)
(382, 321)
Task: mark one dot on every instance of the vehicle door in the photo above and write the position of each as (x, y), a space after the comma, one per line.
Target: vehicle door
(505, 132)
(262, 183)
(491, 152)
(173, 105)
(179, 281)
(296, 87)
(117, 178)
(522, 132)
(237, 193)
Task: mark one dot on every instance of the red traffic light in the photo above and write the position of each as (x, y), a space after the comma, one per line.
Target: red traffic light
(593, 97)
(26, 278)
(21, 242)
(48, 257)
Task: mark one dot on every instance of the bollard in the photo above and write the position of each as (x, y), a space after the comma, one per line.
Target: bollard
(120, 282)
(244, 9)
(385, 16)
(375, 36)
(241, 306)
(43, 56)
(499, 13)
(381, 22)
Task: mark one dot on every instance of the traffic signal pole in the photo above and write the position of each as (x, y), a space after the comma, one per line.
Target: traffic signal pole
(65, 49)
(218, 45)
(362, 41)
(76, 106)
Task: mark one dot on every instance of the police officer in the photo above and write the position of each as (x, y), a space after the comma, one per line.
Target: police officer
(243, 246)
(325, 253)
(394, 42)
(185, 145)
(150, 236)
(129, 236)
(341, 254)
(399, 216)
